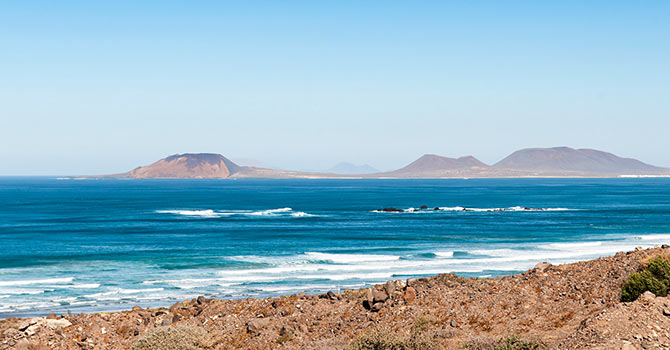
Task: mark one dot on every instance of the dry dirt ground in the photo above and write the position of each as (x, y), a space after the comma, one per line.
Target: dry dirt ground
(572, 306)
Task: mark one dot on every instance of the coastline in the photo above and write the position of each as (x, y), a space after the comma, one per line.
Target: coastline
(571, 306)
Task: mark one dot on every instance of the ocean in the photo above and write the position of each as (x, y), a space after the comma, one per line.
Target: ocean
(101, 245)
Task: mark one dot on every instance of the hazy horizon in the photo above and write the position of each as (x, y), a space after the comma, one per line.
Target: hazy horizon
(92, 88)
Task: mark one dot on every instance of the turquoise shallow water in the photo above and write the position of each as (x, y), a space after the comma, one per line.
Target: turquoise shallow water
(91, 245)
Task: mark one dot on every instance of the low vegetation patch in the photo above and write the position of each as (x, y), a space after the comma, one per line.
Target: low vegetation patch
(512, 342)
(654, 278)
(385, 339)
(174, 338)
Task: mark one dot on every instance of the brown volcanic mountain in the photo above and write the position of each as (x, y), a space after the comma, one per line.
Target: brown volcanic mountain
(566, 161)
(208, 166)
(431, 165)
(188, 166)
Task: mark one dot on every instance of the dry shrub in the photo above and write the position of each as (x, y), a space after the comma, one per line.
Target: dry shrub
(423, 323)
(510, 343)
(384, 339)
(174, 338)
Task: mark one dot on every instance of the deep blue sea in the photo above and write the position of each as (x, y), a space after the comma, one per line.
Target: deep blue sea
(94, 245)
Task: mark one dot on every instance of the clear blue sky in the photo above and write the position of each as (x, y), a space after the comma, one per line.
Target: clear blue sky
(88, 88)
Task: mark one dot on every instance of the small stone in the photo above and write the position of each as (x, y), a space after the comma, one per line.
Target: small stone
(285, 330)
(647, 297)
(453, 323)
(103, 330)
(166, 322)
(410, 295)
(331, 295)
(666, 312)
(303, 328)
(31, 330)
(201, 300)
(137, 308)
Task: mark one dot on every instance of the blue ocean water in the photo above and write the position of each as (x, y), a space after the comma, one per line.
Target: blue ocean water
(94, 245)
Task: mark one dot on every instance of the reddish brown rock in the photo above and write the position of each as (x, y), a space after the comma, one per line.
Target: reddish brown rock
(410, 295)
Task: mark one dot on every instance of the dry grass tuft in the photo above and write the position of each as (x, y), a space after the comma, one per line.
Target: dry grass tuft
(174, 338)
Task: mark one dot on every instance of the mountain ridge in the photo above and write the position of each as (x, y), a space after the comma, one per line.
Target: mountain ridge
(566, 160)
(528, 162)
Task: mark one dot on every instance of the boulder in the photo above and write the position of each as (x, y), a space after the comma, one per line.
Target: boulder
(256, 325)
(379, 297)
(26, 323)
(392, 210)
(368, 298)
(389, 287)
(377, 306)
(55, 324)
(542, 266)
(410, 295)
(331, 295)
(399, 285)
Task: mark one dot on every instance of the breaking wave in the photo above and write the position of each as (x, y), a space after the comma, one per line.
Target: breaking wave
(210, 213)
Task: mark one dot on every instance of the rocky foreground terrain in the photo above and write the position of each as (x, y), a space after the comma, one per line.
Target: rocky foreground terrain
(573, 306)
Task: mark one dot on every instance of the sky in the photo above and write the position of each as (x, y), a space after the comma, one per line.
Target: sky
(97, 87)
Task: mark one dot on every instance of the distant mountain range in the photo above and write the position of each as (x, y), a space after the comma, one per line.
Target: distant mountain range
(352, 169)
(530, 162)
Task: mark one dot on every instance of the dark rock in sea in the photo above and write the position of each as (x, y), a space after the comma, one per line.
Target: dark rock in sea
(436, 208)
(423, 207)
(392, 210)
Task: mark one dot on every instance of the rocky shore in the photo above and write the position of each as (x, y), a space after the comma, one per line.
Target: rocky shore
(572, 306)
